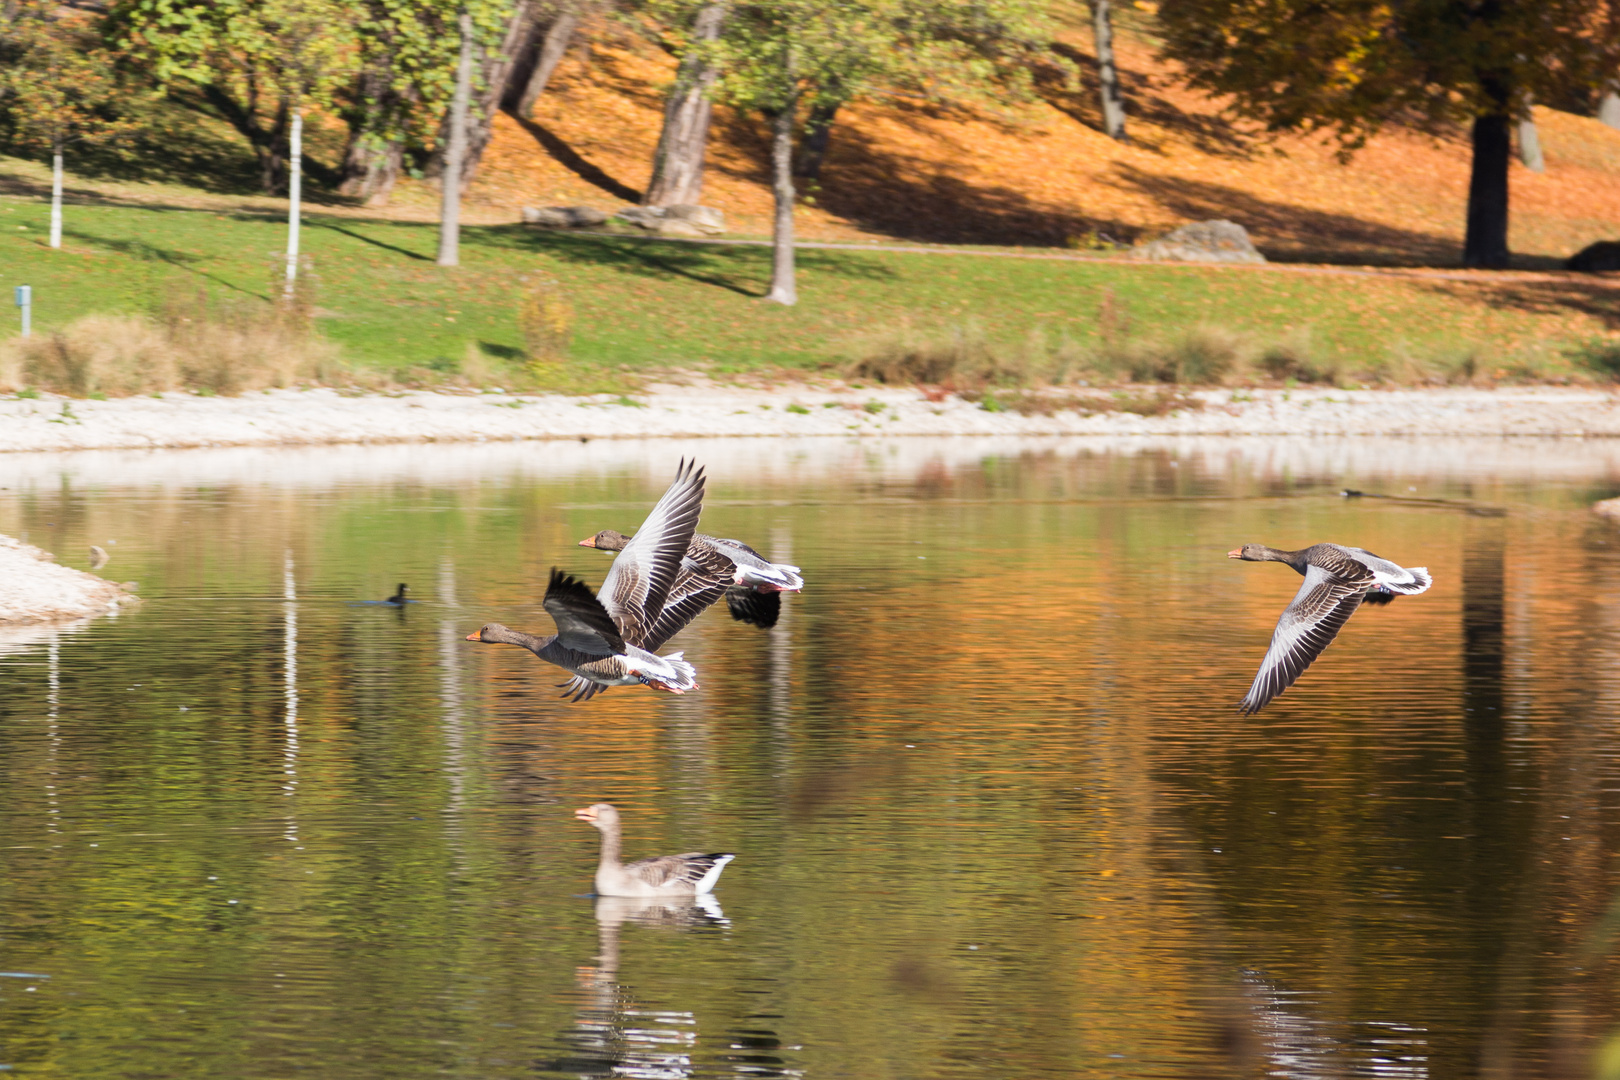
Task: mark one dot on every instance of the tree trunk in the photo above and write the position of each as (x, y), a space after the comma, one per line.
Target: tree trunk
(1609, 107)
(494, 70)
(371, 166)
(677, 177)
(56, 193)
(1113, 100)
(553, 45)
(784, 290)
(376, 152)
(295, 193)
(268, 143)
(455, 151)
(1530, 146)
(1485, 245)
(817, 134)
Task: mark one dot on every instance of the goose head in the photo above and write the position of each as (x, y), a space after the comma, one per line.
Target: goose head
(606, 540)
(603, 815)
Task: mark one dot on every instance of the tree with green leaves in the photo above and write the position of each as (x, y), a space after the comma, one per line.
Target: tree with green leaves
(257, 64)
(1353, 66)
(58, 86)
(779, 56)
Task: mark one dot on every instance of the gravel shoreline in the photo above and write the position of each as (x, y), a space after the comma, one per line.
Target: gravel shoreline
(703, 409)
(34, 588)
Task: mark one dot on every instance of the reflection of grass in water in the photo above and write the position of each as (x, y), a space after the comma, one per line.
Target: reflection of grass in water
(640, 304)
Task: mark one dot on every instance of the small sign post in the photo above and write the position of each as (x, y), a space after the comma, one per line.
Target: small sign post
(25, 301)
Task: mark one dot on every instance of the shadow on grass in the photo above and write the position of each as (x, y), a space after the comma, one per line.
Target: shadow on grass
(744, 270)
(141, 251)
(327, 223)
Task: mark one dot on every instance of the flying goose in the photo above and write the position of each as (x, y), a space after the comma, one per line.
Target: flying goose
(610, 639)
(691, 874)
(754, 584)
(1337, 580)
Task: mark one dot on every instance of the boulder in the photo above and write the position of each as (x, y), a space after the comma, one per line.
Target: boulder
(1202, 241)
(681, 227)
(563, 217)
(1596, 258)
(642, 217)
(708, 220)
(1609, 508)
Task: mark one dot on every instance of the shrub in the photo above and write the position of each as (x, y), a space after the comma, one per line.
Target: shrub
(546, 318)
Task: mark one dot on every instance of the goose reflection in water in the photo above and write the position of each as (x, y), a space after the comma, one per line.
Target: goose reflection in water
(1299, 1046)
(612, 1036)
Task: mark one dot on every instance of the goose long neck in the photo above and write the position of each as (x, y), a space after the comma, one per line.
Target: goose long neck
(610, 843)
(507, 636)
(1292, 558)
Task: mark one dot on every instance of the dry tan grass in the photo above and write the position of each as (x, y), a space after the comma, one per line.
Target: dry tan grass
(190, 344)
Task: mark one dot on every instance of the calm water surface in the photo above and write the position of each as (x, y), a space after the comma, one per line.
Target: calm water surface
(994, 811)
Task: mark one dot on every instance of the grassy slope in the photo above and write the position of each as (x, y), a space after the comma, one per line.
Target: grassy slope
(650, 303)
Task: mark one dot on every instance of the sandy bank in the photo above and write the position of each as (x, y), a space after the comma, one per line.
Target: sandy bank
(294, 417)
(34, 589)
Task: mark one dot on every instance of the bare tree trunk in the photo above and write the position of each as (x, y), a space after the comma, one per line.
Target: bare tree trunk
(1609, 107)
(817, 135)
(295, 194)
(371, 166)
(1486, 242)
(784, 289)
(677, 177)
(553, 45)
(1113, 101)
(495, 69)
(455, 151)
(56, 192)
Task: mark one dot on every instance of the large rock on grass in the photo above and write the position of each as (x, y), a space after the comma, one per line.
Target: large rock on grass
(1596, 258)
(1202, 241)
(678, 220)
(563, 217)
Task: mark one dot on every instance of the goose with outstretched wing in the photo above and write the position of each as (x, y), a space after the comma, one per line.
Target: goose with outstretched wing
(610, 638)
(753, 584)
(1337, 580)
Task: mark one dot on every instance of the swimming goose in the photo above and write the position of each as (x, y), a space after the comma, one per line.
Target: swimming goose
(589, 644)
(1337, 580)
(754, 584)
(691, 874)
(610, 639)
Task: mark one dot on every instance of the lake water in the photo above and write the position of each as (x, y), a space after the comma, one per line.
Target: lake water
(994, 811)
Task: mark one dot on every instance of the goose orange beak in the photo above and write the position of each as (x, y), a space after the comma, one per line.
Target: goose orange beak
(1235, 553)
(474, 636)
(589, 541)
(585, 813)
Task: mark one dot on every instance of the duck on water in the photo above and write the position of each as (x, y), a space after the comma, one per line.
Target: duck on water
(1337, 580)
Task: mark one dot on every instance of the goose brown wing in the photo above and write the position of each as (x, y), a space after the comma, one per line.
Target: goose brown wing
(662, 870)
(583, 625)
(691, 596)
(1307, 626)
(642, 575)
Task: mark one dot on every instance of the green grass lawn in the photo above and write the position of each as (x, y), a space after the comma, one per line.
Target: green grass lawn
(644, 304)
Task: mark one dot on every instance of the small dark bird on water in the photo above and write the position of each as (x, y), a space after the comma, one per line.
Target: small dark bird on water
(399, 595)
(1337, 580)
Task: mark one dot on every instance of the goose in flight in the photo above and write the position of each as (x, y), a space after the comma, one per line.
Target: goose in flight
(1337, 580)
(611, 638)
(753, 584)
(691, 874)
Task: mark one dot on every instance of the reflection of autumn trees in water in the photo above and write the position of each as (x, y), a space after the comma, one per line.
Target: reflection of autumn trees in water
(990, 794)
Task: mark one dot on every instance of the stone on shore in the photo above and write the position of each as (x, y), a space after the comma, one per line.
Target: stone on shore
(1202, 241)
(1609, 508)
(563, 217)
(681, 219)
(34, 589)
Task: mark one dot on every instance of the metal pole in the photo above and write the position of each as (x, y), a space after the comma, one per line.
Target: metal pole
(25, 301)
(295, 190)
